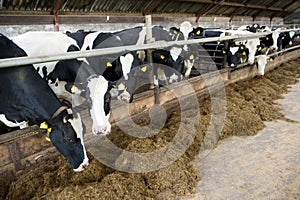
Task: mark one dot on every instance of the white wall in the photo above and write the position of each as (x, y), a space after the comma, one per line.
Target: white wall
(209, 22)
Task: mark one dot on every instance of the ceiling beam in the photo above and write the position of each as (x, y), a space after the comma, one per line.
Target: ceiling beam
(288, 5)
(223, 3)
(236, 10)
(151, 7)
(203, 10)
(57, 5)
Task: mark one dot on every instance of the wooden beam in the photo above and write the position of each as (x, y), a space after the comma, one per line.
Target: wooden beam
(203, 10)
(57, 5)
(236, 10)
(151, 7)
(43, 19)
(234, 4)
(289, 4)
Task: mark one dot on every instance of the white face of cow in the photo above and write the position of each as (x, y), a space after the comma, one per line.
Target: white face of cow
(186, 27)
(99, 110)
(275, 36)
(262, 60)
(252, 46)
(291, 33)
(175, 53)
(126, 62)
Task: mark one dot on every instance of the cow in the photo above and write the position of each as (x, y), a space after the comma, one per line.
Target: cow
(168, 66)
(253, 28)
(26, 97)
(237, 55)
(125, 69)
(61, 75)
(216, 50)
(261, 61)
(115, 66)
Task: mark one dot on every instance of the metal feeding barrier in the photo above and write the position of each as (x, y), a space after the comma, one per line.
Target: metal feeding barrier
(25, 60)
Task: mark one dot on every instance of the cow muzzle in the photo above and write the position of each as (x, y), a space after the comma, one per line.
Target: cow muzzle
(101, 130)
(124, 97)
(82, 166)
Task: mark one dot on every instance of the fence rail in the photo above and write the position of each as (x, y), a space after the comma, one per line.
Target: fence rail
(25, 60)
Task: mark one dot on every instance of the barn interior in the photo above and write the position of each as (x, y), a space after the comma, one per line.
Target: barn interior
(113, 14)
(52, 178)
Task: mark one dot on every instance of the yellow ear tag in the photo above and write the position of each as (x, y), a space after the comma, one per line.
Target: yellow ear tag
(74, 89)
(192, 57)
(49, 130)
(162, 57)
(267, 38)
(271, 59)
(244, 53)
(242, 47)
(121, 86)
(259, 48)
(224, 52)
(175, 32)
(283, 37)
(108, 64)
(48, 139)
(144, 69)
(298, 36)
(44, 125)
(198, 32)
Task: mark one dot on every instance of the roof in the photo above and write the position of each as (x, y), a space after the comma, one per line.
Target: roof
(198, 8)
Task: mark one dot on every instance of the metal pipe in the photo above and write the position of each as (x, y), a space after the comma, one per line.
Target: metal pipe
(11, 62)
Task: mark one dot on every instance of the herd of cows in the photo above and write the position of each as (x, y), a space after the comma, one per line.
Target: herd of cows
(41, 93)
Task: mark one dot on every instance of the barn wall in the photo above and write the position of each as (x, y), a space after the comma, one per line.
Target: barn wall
(166, 21)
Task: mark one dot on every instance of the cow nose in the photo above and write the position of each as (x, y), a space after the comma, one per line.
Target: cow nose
(250, 62)
(124, 97)
(100, 130)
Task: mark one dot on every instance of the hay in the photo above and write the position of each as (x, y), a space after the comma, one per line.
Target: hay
(249, 104)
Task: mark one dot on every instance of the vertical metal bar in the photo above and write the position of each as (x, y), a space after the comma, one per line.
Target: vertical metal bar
(149, 39)
(226, 48)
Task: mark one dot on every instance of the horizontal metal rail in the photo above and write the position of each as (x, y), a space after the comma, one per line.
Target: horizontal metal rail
(25, 60)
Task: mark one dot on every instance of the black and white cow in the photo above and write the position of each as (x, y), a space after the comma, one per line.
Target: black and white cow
(253, 28)
(127, 65)
(25, 96)
(123, 68)
(168, 66)
(61, 74)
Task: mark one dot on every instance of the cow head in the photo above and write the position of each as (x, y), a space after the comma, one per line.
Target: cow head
(237, 55)
(173, 64)
(252, 45)
(196, 33)
(176, 34)
(126, 62)
(96, 91)
(186, 27)
(66, 134)
(125, 88)
(261, 60)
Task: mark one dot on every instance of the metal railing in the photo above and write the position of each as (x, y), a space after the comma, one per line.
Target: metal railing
(25, 60)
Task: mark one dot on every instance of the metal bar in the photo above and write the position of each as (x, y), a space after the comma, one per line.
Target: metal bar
(25, 60)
